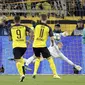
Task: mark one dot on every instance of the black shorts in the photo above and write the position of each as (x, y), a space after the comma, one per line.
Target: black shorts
(44, 51)
(18, 52)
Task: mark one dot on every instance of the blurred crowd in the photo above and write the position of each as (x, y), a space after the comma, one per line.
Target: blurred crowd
(76, 7)
(5, 25)
(78, 31)
(61, 7)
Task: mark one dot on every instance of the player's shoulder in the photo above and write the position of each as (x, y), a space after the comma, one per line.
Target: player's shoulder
(24, 26)
(16, 25)
(40, 23)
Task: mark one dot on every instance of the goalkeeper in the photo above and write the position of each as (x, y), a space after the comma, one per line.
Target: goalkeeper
(55, 50)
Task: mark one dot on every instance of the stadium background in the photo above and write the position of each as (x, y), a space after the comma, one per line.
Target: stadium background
(73, 47)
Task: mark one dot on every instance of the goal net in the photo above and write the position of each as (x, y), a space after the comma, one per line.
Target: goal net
(58, 11)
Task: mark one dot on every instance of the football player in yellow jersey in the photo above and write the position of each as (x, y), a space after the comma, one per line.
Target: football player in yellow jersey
(18, 36)
(41, 33)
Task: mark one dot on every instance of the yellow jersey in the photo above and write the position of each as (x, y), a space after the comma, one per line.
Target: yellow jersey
(41, 33)
(18, 35)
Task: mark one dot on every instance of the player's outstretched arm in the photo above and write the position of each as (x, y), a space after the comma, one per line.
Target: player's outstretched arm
(52, 40)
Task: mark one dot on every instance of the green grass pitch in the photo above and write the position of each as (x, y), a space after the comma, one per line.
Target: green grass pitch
(43, 80)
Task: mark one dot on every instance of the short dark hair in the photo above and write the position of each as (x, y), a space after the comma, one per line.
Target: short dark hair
(17, 18)
(58, 25)
(44, 17)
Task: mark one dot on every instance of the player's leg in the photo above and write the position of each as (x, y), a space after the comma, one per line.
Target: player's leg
(37, 62)
(18, 53)
(46, 54)
(53, 67)
(29, 60)
(20, 68)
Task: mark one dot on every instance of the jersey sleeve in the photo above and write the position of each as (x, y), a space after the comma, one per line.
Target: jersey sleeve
(10, 32)
(10, 35)
(50, 32)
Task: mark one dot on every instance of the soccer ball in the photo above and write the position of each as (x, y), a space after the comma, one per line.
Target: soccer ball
(57, 36)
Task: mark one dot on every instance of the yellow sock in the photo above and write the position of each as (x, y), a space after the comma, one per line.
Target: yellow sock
(37, 63)
(20, 66)
(22, 61)
(52, 65)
